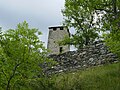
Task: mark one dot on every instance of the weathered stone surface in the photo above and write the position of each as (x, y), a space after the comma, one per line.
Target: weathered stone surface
(56, 34)
(93, 55)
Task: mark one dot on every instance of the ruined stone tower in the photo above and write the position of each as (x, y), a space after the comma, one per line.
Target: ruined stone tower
(56, 34)
(0, 28)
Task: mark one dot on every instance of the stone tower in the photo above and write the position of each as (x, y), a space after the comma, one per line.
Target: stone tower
(56, 34)
(0, 28)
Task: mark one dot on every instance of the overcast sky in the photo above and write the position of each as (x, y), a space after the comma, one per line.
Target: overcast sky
(38, 13)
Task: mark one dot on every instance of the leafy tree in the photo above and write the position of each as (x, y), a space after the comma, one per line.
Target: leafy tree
(80, 15)
(89, 17)
(110, 23)
(21, 58)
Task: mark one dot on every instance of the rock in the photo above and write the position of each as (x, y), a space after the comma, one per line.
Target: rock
(91, 59)
(95, 54)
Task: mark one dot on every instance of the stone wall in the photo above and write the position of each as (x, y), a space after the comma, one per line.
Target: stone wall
(92, 55)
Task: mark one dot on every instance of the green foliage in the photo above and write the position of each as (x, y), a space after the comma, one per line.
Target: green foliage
(97, 78)
(112, 40)
(21, 58)
(111, 23)
(79, 40)
(80, 14)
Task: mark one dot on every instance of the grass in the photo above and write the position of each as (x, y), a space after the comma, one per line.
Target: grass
(105, 77)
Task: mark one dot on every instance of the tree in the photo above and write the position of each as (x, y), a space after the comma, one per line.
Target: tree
(89, 17)
(110, 23)
(112, 39)
(80, 15)
(22, 53)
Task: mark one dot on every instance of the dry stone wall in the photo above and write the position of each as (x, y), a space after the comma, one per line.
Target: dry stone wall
(92, 55)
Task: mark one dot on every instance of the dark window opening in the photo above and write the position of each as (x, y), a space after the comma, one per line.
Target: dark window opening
(61, 28)
(61, 49)
(54, 28)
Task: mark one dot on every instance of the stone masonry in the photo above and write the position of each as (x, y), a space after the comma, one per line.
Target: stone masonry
(92, 55)
(56, 34)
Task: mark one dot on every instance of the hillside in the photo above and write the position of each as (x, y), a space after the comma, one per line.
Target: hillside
(105, 77)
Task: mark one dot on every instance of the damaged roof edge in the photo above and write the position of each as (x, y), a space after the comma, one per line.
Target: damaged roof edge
(60, 26)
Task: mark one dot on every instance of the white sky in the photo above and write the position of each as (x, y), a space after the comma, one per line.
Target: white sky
(38, 13)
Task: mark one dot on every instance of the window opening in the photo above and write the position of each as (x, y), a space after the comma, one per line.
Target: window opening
(61, 49)
(61, 28)
(54, 28)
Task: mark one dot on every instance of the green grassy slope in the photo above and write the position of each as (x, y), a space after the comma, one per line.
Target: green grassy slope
(105, 77)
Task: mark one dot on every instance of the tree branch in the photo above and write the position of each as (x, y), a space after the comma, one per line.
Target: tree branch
(4, 74)
(77, 20)
(13, 74)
